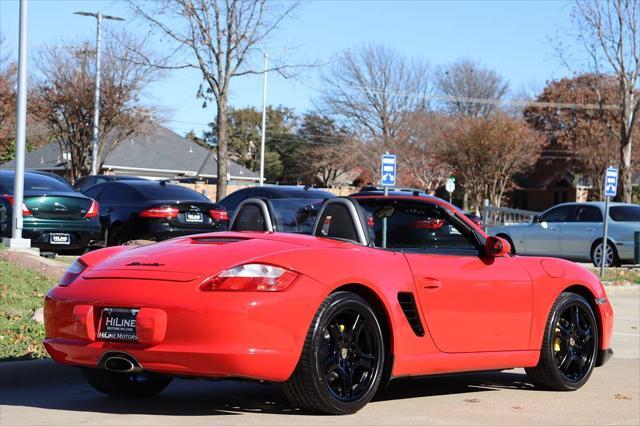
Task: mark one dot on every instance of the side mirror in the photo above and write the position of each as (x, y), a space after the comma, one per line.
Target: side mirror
(535, 219)
(497, 247)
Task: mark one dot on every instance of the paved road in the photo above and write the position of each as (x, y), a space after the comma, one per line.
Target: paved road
(41, 392)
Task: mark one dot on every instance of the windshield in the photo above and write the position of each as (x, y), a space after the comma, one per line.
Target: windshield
(625, 213)
(295, 215)
(404, 224)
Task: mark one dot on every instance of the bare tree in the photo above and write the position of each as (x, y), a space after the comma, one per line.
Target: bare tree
(63, 97)
(219, 38)
(370, 90)
(7, 102)
(421, 168)
(488, 152)
(465, 80)
(609, 30)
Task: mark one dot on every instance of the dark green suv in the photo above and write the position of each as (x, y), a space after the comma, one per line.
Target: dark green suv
(56, 216)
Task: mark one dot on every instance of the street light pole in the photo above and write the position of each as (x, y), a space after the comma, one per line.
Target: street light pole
(16, 240)
(264, 118)
(96, 100)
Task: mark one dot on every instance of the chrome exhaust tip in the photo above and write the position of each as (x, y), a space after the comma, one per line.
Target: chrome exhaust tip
(120, 363)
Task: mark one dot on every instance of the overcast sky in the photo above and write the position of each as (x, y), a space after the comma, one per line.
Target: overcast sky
(511, 37)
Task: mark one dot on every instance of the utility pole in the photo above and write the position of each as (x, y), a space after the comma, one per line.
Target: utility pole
(264, 117)
(96, 101)
(16, 241)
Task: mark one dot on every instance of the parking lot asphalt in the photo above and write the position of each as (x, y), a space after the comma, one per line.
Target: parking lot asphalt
(42, 392)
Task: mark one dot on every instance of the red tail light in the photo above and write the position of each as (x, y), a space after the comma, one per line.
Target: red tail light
(160, 212)
(25, 210)
(219, 214)
(94, 210)
(72, 273)
(251, 277)
(433, 224)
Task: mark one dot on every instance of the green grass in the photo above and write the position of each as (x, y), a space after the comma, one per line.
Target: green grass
(21, 293)
(619, 275)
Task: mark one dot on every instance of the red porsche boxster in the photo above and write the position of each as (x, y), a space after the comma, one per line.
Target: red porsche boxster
(384, 287)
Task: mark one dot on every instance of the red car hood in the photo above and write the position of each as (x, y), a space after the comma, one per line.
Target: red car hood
(185, 259)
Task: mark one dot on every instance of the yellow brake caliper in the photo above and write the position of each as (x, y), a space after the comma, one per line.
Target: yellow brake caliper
(556, 341)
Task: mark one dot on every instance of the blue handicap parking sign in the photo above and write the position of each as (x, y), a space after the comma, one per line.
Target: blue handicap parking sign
(388, 170)
(611, 182)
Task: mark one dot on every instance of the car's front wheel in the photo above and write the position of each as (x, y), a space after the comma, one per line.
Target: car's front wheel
(611, 257)
(342, 359)
(136, 385)
(569, 346)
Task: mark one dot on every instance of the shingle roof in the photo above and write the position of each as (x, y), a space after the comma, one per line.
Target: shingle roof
(158, 149)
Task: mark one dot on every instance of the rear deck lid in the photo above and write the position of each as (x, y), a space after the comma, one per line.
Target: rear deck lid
(186, 259)
(59, 206)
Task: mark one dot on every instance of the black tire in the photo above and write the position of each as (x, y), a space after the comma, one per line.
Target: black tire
(569, 351)
(131, 385)
(615, 260)
(117, 236)
(342, 360)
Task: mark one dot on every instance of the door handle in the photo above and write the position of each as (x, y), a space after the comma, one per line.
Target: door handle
(429, 283)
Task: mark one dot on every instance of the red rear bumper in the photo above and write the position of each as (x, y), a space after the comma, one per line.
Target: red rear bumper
(183, 330)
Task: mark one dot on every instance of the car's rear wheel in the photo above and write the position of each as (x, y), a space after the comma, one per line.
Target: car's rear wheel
(342, 359)
(117, 236)
(569, 347)
(611, 258)
(136, 385)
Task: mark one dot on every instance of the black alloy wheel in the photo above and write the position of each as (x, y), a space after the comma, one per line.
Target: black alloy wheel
(570, 345)
(342, 360)
(349, 351)
(574, 342)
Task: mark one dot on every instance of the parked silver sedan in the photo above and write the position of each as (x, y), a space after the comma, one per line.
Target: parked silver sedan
(574, 231)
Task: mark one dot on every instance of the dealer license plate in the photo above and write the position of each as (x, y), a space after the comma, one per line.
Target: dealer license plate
(118, 324)
(194, 217)
(57, 238)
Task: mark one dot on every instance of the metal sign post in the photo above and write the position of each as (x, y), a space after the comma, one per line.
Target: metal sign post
(610, 190)
(388, 173)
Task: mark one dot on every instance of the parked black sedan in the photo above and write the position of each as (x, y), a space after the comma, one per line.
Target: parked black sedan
(272, 192)
(55, 216)
(153, 210)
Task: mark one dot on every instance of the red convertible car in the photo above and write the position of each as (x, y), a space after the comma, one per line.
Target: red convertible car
(384, 287)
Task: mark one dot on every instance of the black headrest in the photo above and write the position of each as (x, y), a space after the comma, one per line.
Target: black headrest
(342, 218)
(253, 214)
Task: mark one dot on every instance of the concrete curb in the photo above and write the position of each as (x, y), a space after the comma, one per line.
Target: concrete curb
(47, 267)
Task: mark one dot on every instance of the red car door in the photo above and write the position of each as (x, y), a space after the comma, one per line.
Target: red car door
(471, 304)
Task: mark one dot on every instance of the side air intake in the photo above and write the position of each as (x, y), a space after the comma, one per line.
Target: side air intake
(408, 305)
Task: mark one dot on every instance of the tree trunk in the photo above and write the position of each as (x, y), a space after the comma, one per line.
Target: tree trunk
(221, 148)
(626, 185)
